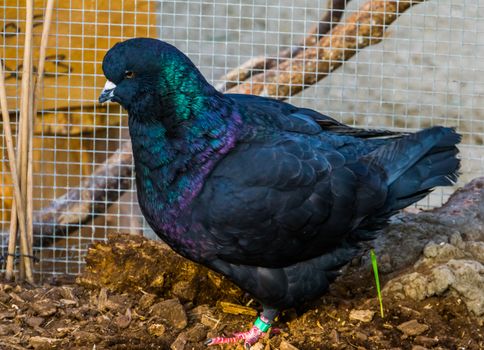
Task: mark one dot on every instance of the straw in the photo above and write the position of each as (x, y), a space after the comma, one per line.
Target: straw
(25, 116)
(15, 179)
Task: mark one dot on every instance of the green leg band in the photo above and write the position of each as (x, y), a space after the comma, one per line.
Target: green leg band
(263, 326)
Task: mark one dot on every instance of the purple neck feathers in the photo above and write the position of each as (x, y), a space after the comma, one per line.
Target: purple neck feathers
(171, 168)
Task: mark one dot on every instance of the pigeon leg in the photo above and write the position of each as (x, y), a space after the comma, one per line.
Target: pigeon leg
(261, 326)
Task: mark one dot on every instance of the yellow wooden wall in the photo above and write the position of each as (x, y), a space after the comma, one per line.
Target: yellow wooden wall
(72, 131)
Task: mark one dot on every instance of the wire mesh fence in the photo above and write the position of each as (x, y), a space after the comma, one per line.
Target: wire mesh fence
(428, 69)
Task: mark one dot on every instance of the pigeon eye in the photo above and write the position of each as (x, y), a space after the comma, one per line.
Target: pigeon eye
(129, 74)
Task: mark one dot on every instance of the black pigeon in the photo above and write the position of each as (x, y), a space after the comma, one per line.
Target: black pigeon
(273, 196)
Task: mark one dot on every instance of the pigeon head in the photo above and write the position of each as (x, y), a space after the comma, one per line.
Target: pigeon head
(151, 78)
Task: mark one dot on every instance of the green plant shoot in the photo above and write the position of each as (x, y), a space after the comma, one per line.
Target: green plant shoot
(377, 280)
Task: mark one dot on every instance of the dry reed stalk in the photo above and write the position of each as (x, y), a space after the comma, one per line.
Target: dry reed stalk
(13, 170)
(42, 52)
(12, 241)
(25, 117)
(29, 205)
(34, 104)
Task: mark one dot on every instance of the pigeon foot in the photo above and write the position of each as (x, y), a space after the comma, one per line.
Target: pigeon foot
(259, 329)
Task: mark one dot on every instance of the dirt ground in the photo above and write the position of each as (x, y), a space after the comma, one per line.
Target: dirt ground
(66, 315)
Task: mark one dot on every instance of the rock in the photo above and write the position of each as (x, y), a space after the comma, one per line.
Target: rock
(257, 346)
(198, 312)
(34, 321)
(16, 300)
(157, 283)
(476, 249)
(68, 302)
(360, 336)
(361, 315)
(146, 300)
(419, 347)
(408, 312)
(184, 290)
(63, 331)
(412, 328)
(442, 251)
(179, 343)
(43, 342)
(334, 336)
(89, 337)
(7, 314)
(44, 308)
(456, 240)
(4, 297)
(104, 321)
(287, 346)
(197, 333)
(68, 294)
(103, 302)
(469, 282)
(172, 311)
(4, 330)
(123, 321)
(425, 341)
(441, 277)
(385, 263)
(156, 329)
(6, 287)
(415, 286)
(466, 277)
(209, 321)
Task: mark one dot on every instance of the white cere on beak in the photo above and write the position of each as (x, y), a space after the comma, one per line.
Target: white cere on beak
(109, 85)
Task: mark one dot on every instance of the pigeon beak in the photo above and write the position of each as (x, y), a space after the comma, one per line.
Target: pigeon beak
(108, 92)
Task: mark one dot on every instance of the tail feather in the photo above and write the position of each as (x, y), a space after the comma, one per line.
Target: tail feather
(414, 165)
